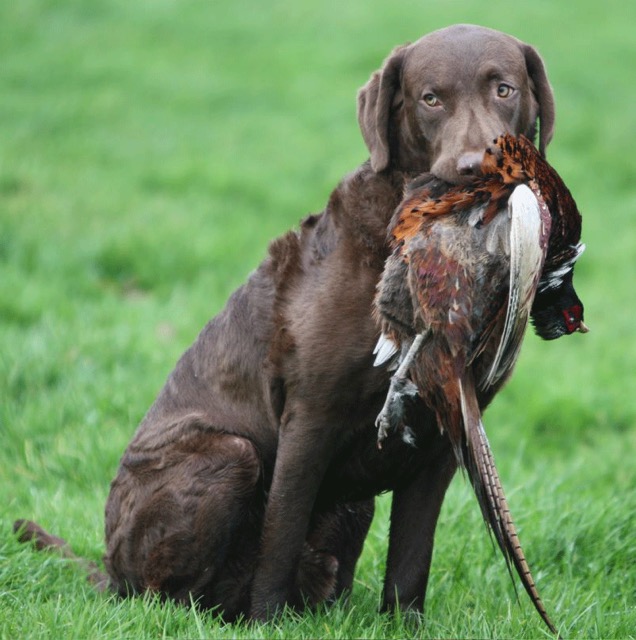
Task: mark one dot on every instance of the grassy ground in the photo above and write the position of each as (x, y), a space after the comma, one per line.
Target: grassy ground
(149, 151)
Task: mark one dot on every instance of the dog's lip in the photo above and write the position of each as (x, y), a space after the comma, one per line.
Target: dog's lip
(457, 179)
(467, 179)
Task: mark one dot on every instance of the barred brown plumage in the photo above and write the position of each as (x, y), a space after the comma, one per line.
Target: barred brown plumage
(470, 264)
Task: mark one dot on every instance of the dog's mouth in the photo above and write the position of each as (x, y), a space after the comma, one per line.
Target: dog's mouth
(460, 170)
(468, 165)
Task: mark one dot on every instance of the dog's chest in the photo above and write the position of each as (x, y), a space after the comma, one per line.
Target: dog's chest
(362, 470)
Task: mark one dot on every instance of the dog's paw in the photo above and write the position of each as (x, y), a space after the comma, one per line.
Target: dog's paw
(317, 575)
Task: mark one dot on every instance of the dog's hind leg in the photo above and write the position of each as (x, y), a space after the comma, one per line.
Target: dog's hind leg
(176, 514)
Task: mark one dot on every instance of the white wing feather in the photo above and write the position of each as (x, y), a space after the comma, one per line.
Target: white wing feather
(385, 350)
(528, 231)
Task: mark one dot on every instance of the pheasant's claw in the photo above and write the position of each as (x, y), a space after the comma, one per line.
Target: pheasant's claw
(391, 416)
(382, 425)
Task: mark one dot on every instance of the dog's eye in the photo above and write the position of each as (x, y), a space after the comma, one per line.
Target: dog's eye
(430, 100)
(504, 90)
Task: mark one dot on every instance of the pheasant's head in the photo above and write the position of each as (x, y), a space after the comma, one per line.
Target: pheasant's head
(573, 319)
(558, 312)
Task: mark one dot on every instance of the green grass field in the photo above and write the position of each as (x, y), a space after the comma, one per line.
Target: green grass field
(148, 153)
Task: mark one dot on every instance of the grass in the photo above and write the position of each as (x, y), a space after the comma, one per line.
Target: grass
(148, 153)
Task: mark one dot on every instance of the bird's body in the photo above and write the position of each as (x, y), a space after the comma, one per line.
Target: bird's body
(469, 265)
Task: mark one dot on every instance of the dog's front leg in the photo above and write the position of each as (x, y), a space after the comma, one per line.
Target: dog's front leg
(302, 457)
(414, 512)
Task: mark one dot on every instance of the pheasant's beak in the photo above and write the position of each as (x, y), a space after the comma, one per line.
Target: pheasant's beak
(583, 328)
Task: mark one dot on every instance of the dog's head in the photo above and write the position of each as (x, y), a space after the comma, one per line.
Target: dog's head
(438, 103)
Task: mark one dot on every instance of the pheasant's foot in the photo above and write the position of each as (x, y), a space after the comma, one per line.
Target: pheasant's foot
(391, 417)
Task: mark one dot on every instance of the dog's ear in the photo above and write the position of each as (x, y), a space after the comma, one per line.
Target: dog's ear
(543, 93)
(375, 103)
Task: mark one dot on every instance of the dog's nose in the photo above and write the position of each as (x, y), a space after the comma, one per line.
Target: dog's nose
(469, 164)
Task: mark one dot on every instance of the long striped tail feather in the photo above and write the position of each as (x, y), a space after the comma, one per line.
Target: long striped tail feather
(491, 498)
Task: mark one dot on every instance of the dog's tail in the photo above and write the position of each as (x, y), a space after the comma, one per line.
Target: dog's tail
(28, 531)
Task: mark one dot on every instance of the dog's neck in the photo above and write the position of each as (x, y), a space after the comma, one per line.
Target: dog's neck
(363, 205)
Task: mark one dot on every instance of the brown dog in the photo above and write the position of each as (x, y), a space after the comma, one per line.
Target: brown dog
(250, 482)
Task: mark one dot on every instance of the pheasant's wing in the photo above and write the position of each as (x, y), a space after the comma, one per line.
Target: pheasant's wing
(393, 302)
(529, 233)
(385, 351)
(394, 308)
(399, 301)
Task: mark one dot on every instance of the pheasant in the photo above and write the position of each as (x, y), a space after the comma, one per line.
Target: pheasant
(470, 264)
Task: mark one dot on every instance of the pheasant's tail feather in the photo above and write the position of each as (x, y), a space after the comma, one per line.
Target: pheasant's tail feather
(529, 233)
(492, 500)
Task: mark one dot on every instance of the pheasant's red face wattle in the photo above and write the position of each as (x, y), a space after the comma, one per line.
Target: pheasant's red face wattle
(573, 318)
